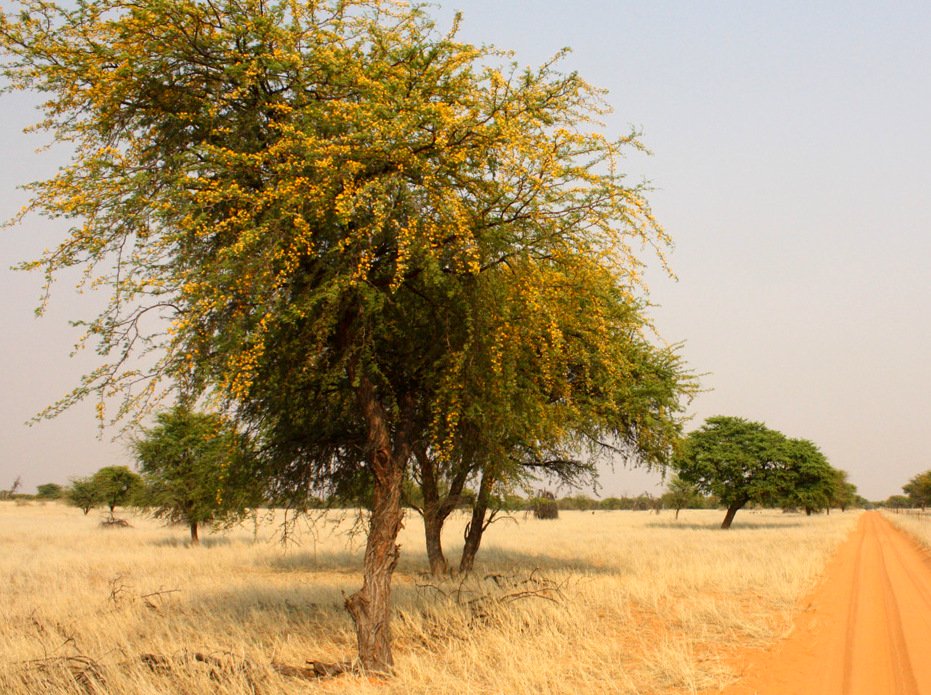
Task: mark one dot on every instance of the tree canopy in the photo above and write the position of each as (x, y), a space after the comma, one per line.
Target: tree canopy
(741, 461)
(49, 491)
(116, 486)
(83, 494)
(811, 482)
(196, 468)
(918, 489)
(680, 494)
(343, 225)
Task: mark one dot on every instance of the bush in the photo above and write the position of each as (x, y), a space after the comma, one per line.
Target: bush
(50, 491)
(544, 506)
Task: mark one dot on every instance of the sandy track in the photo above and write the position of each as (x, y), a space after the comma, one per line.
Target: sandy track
(866, 630)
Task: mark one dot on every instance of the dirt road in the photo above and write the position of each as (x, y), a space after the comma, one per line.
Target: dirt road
(866, 630)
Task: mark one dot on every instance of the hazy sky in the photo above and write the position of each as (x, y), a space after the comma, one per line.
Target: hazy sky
(791, 165)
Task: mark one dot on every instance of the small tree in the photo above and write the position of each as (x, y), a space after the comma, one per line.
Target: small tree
(680, 494)
(544, 506)
(918, 489)
(116, 486)
(83, 494)
(845, 492)
(49, 491)
(196, 469)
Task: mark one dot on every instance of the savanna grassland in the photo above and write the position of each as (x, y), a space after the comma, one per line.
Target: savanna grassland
(628, 602)
(914, 522)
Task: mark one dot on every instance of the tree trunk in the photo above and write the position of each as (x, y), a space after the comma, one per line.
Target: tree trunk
(677, 513)
(194, 538)
(476, 527)
(433, 529)
(731, 512)
(432, 518)
(370, 606)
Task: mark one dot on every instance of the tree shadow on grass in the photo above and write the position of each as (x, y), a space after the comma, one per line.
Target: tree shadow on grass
(182, 541)
(489, 560)
(340, 561)
(737, 525)
(319, 601)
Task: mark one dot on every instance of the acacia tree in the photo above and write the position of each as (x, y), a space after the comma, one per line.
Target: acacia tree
(810, 481)
(741, 461)
(49, 491)
(679, 494)
(737, 460)
(844, 493)
(918, 489)
(299, 191)
(618, 399)
(83, 494)
(116, 486)
(196, 468)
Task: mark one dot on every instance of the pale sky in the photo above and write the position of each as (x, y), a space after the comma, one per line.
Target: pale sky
(791, 166)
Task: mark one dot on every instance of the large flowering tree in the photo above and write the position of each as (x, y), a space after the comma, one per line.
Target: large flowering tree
(328, 196)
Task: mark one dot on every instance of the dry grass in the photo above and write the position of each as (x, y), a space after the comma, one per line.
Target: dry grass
(917, 523)
(625, 602)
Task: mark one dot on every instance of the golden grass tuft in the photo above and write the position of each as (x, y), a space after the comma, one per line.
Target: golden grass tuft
(626, 602)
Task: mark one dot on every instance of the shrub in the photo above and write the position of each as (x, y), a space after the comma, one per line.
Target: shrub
(544, 506)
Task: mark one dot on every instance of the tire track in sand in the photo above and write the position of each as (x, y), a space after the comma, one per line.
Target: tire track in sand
(866, 630)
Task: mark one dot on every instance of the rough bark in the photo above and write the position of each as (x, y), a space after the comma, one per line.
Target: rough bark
(476, 527)
(432, 523)
(731, 512)
(433, 530)
(370, 606)
(437, 508)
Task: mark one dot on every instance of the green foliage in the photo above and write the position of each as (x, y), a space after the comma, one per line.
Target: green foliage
(116, 486)
(680, 494)
(544, 506)
(845, 493)
(918, 489)
(577, 503)
(197, 468)
(83, 494)
(862, 503)
(898, 502)
(50, 491)
(736, 460)
(744, 462)
(811, 482)
(364, 237)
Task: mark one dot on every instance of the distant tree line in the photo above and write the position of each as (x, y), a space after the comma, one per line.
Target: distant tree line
(917, 494)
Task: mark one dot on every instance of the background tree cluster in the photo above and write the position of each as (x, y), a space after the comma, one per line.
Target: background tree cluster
(110, 487)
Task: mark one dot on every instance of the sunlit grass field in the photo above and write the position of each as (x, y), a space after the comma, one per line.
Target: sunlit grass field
(914, 522)
(627, 602)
